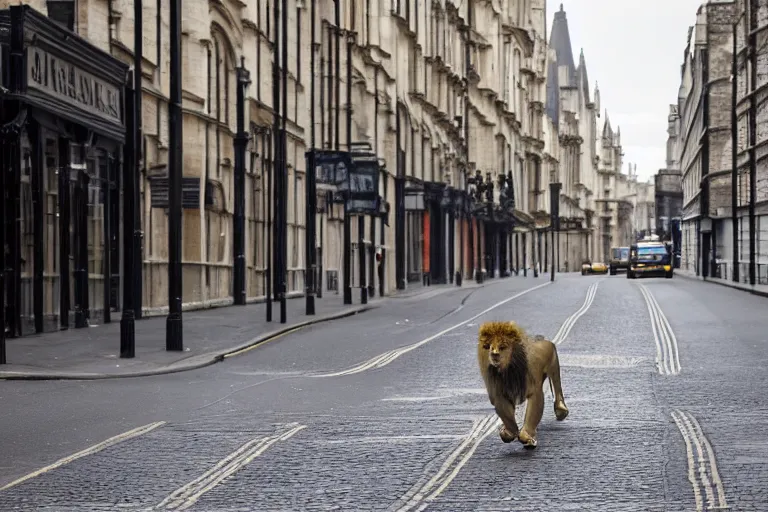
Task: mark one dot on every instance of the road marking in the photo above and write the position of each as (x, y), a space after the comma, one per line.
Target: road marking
(565, 329)
(702, 467)
(387, 357)
(261, 344)
(423, 493)
(600, 361)
(88, 451)
(667, 355)
(187, 495)
(448, 393)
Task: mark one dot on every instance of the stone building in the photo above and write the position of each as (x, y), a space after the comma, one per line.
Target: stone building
(643, 206)
(668, 183)
(751, 219)
(700, 136)
(442, 93)
(574, 112)
(615, 195)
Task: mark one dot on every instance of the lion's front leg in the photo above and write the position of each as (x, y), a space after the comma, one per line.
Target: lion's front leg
(506, 411)
(533, 413)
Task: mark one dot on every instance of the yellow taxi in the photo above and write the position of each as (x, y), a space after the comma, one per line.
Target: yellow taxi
(594, 268)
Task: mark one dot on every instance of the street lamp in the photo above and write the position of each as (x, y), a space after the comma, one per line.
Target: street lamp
(481, 188)
(241, 141)
(554, 223)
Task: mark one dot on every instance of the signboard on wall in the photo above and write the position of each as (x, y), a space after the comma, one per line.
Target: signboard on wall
(63, 81)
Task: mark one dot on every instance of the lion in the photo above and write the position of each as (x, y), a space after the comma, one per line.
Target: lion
(514, 366)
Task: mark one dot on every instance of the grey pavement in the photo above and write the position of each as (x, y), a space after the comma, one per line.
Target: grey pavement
(409, 427)
(209, 336)
(757, 289)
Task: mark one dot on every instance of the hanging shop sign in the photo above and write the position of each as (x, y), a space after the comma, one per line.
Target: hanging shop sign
(353, 177)
(362, 185)
(329, 165)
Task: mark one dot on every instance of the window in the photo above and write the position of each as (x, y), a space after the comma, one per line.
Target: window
(505, 71)
(269, 20)
(62, 12)
(298, 43)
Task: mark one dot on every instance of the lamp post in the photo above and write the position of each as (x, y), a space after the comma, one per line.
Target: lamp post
(480, 188)
(554, 223)
(241, 141)
(127, 321)
(507, 204)
(460, 217)
(174, 333)
(489, 244)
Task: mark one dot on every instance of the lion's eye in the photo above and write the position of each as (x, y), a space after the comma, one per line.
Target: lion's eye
(487, 346)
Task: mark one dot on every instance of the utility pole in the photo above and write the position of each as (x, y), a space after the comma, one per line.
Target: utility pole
(752, 52)
(174, 330)
(360, 217)
(311, 185)
(127, 321)
(284, 172)
(3, 236)
(734, 159)
(554, 223)
(241, 141)
(138, 57)
(309, 232)
(347, 226)
(273, 185)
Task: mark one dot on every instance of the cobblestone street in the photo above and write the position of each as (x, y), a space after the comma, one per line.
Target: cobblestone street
(386, 410)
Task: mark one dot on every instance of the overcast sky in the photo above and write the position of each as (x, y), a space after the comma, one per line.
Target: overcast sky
(634, 50)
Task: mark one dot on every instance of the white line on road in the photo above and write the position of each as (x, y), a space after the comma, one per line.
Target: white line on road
(387, 357)
(423, 493)
(88, 451)
(702, 466)
(187, 495)
(667, 355)
(565, 329)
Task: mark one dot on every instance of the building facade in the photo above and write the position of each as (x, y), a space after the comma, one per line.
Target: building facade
(643, 206)
(724, 203)
(601, 205)
(453, 98)
(750, 250)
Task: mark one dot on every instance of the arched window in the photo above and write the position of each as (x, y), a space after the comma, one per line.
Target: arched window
(516, 92)
(219, 150)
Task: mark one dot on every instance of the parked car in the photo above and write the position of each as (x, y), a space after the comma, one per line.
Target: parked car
(619, 259)
(593, 268)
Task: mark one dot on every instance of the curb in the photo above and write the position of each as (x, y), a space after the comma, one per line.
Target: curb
(741, 287)
(193, 363)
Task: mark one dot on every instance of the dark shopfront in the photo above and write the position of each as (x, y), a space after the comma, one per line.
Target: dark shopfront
(439, 236)
(62, 136)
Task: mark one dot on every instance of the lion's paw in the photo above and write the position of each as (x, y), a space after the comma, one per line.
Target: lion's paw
(506, 435)
(561, 411)
(527, 440)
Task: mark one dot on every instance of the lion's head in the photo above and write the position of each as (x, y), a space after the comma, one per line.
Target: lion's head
(499, 340)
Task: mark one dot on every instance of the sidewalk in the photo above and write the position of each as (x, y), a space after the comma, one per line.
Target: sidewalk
(758, 289)
(209, 336)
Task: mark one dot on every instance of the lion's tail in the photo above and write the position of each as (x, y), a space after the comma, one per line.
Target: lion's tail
(551, 386)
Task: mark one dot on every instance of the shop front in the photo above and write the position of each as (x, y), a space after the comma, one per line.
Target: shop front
(62, 134)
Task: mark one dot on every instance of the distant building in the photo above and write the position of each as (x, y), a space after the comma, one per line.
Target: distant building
(700, 141)
(669, 201)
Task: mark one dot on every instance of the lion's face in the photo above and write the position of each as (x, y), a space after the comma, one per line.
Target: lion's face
(498, 340)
